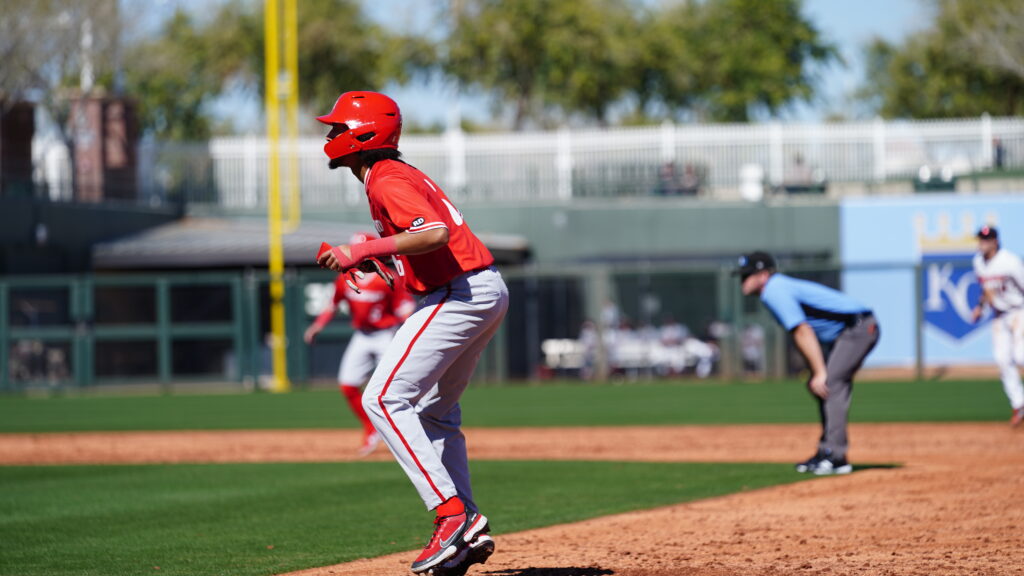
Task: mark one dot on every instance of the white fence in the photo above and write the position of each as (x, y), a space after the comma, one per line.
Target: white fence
(613, 162)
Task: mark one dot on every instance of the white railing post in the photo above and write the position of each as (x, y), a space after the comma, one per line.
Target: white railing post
(563, 163)
(455, 145)
(250, 162)
(878, 138)
(668, 141)
(775, 159)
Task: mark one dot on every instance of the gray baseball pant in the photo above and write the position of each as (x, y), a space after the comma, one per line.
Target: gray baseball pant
(413, 396)
(844, 359)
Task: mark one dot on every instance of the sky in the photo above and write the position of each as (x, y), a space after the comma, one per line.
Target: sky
(849, 24)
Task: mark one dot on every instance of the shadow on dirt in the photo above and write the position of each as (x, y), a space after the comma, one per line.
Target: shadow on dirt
(588, 571)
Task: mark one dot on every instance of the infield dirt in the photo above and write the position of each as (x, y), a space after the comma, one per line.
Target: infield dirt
(954, 504)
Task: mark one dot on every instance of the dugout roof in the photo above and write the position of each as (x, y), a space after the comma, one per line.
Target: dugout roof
(242, 242)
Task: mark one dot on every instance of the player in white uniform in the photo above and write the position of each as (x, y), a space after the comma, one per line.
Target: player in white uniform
(1001, 275)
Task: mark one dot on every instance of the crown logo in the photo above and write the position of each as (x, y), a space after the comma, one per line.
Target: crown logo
(942, 239)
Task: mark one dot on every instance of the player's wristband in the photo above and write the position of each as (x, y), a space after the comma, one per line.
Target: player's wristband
(379, 248)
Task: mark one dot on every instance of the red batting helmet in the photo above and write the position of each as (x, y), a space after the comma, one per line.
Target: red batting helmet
(373, 121)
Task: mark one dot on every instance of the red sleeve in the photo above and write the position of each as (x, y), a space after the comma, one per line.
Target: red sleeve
(327, 315)
(407, 208)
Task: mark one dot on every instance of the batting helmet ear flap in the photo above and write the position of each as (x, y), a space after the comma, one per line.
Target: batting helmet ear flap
(341, 145)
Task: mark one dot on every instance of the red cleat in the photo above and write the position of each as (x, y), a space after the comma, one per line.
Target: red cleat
(478, 551)
(1017, 418)
(444, 543)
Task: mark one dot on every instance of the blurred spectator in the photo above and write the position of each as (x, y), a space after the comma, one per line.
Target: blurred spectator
(588, 341)
(672, 183)
(998, 153)
(801, 177)
(799, 173)
(609, 316)
(702, 355)
(665, 351)
(717, 330)
(35, 361)
(690, 184)
(673, 333)
(752, 348)
(649, 334)
(669, 183)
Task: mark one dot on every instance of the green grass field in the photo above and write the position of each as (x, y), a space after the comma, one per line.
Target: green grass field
(550, 405)
(262, 519)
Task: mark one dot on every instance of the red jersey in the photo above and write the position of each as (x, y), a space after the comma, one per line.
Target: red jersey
(403, 199)
(375, 307)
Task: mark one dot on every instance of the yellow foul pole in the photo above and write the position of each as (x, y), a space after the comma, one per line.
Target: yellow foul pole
(291, 62)
(276, 257)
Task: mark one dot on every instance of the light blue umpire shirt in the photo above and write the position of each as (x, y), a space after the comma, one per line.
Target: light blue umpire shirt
(827, 311)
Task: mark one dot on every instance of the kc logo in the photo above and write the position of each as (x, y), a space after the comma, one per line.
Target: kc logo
(950, 291)
(950, 286)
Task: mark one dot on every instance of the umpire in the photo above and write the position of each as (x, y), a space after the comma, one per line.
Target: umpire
(833, 332)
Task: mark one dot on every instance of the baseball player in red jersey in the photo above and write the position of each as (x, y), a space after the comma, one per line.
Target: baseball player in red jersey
(377, 311)
(413, 396)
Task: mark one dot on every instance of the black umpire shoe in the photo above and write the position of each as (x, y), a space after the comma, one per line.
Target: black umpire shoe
(829, 466)
(811, 464)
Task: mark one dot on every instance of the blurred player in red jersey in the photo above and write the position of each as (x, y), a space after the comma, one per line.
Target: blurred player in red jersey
(376, 311)
(413, 396)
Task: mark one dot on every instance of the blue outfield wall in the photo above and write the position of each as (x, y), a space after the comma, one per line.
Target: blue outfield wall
(884, 242)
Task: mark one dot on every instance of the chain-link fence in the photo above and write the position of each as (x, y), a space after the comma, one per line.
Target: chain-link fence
(586, 322)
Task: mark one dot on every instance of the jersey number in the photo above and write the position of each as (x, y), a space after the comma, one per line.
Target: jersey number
(456, 215)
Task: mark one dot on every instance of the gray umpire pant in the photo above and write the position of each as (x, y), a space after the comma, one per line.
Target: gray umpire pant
(845, 357)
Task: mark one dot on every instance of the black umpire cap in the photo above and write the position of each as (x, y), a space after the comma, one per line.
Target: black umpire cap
(988, 233)
(754, 262)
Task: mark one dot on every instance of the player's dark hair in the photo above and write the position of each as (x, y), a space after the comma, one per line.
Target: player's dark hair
(371, 157)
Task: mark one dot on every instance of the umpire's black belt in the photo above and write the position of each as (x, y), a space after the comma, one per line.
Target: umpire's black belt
(859, 318)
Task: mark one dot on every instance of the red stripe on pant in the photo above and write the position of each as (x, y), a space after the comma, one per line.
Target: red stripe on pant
(391, 377)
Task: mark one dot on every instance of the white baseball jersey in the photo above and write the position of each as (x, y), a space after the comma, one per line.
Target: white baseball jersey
(1002, 277)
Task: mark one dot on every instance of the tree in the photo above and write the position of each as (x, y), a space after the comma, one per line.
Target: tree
(543, 54)
(949, 69)
(192, 61)
(666, 71)
(55, 51)
(755, 56)
(50, 46)
(173, 77)
(993, 32)
(718, 59)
